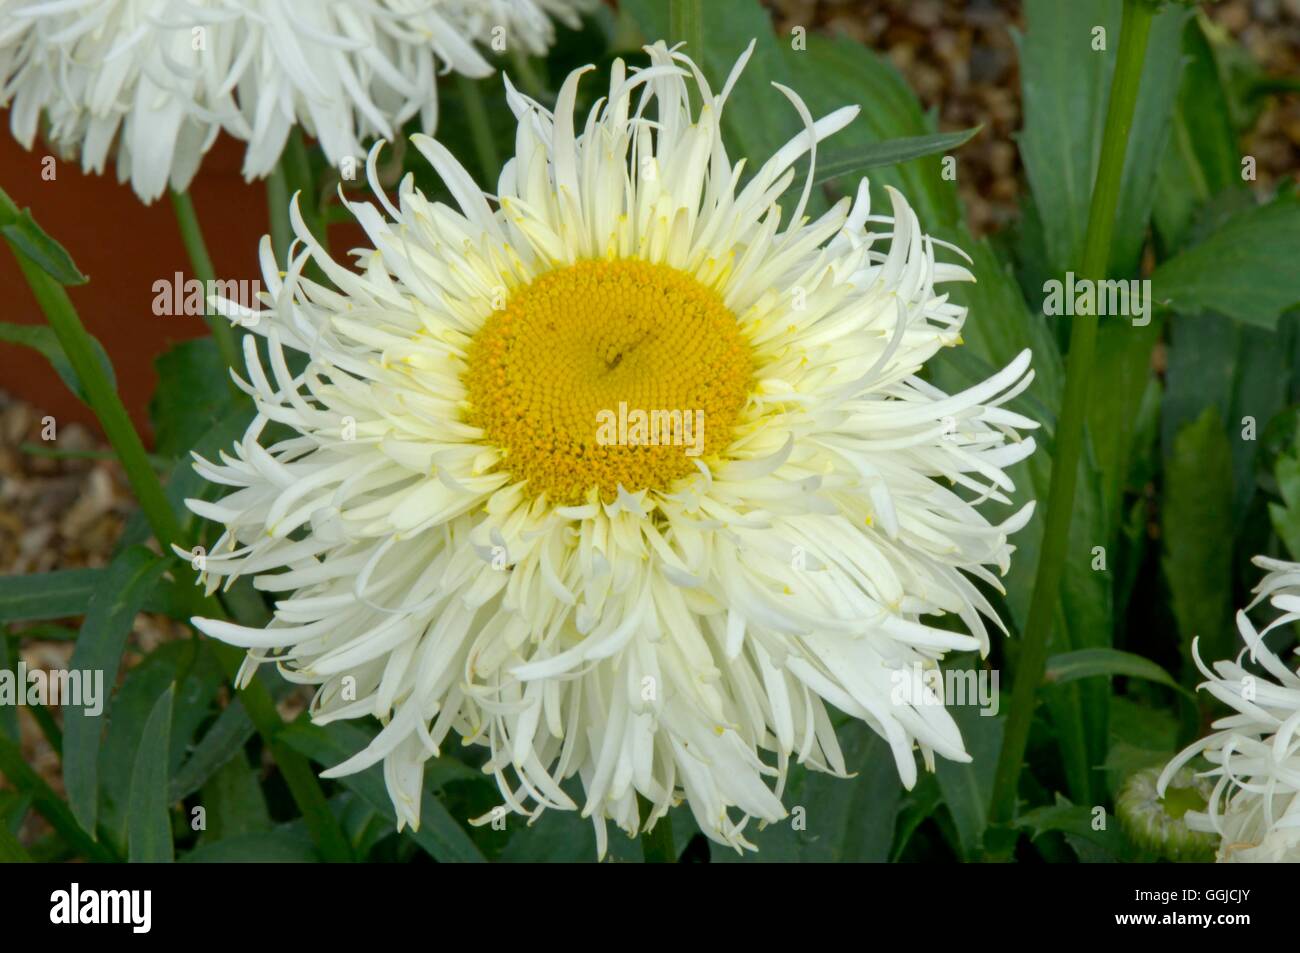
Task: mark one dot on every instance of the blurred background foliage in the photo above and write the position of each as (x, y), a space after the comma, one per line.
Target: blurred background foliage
(1191, 463)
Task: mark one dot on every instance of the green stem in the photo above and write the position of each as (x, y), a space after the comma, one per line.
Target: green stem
(301, 180)
(1134, 30)
(686, 25)
(530, 81)
(657, 843)
(121, 434)
(192, 235)
(277, 207)
(480, 128)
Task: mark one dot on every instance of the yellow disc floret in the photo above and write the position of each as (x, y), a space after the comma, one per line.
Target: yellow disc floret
(608, 373)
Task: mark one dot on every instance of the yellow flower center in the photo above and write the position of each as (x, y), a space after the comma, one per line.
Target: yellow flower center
(605, 374)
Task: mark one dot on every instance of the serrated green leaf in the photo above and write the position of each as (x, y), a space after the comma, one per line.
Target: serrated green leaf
(1246, 269)
(149, 822)
(1083, 828)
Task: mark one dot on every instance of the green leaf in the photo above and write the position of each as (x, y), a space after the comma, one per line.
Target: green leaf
(42, 596)
(48, 804)
(834, 819)
(968, 787)
(119, 596)
(729, 28)
(191, 665)
(1198, 527)
(1079, 824)
(41, 338)
(9, 725)
(439, 834)
(233, 802)
(1089, 663)
(227, 736)
(183, 482)
(857, 159)
(283, 846)
(916, 807)
(1285, 517)
(149, 826)
(30, 240)
(838, 72)
(1241, 371)
(193, 395)
(1245, 269)
(12, 852)
(1065, 87)
(1201, 159)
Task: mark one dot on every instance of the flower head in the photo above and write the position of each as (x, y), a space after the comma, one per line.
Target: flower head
(625, 473)
(1155, 819)
(1255, 752)
(159, 79)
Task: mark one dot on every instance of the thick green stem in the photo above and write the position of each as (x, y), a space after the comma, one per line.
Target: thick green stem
(1134, 30)
(480, 128)
(121, 434)
(192, 235)
(656, 844)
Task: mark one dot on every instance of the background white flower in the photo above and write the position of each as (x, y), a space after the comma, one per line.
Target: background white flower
(456, 552)
(159, 79)
(1255, 752)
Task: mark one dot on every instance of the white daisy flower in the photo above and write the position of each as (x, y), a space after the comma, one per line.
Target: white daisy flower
(470, 529)
(1255, 752)
(161, 78)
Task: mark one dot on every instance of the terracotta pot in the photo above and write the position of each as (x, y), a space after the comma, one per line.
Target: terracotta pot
(124, 247)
